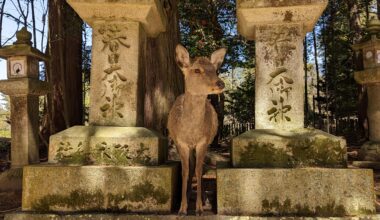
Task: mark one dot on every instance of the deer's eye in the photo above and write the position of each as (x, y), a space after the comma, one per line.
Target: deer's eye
(198, 71)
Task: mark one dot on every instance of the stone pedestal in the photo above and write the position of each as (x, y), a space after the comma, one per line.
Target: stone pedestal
(312, 184)
(113, 164)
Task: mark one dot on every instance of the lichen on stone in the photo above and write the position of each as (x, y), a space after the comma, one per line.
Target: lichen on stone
(276, 207)
(301, 152)
(140, 196)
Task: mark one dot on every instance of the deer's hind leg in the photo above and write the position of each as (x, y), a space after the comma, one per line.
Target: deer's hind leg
(184, 153)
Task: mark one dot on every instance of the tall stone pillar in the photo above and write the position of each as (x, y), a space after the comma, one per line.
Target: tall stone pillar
(23, 88)
(367, 54)
(113, 164)
(302, 175)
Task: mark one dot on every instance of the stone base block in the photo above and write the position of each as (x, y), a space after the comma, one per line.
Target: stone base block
(288, 149)
(370, 151)
(295, 192)
(10, 188)
(101, 145)
(95, 188)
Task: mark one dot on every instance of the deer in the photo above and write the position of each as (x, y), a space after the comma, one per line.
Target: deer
(193, 122)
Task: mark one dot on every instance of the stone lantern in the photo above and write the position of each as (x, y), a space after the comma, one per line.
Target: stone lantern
(367, 57)
(24, 88)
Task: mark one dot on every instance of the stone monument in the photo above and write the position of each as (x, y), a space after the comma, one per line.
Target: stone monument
(24, 88)
(304, 171)
(367, 55)
(114, 164)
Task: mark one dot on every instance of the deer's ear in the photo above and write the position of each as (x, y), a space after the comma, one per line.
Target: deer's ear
(217, 57)
(182, 56)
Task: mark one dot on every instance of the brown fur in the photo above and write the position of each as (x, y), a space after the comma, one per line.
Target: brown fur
(192, 120)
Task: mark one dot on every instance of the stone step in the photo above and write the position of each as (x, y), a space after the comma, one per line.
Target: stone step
(99, 188)
(271, 148)
(107, 145)
(109, 216)
(298, 192)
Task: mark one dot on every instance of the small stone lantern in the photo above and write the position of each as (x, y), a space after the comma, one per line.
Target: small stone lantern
(367, 57)
(24, 88)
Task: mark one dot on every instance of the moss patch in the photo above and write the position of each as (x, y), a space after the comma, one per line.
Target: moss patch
(260, 154)
(141, 195)
(315, 152)
(275, 207)
(67, 155)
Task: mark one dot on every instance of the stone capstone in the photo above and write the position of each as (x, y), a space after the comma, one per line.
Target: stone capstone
(288, 149)
(99, 188)
(295, 192)
(101, 145)
(149, 13)
(254, 13)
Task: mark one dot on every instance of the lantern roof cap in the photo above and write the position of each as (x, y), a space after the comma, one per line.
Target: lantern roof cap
(22, 47)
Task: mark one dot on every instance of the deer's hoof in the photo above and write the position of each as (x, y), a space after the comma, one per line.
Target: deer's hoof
(182, 213)
(199, 213)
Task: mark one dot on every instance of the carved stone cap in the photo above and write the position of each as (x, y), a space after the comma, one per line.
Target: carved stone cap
(149, 13)
(24, 86)
(368, 77)
(22, 47)
(23, 37)
(253, 13)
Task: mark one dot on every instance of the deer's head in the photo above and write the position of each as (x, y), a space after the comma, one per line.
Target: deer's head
(201, 73)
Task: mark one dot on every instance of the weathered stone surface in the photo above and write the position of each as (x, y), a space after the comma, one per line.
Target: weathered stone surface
(148, 12)
(286, 149)
(295, 192)
(102, 145)
(99, 188)
(24, 130)
(370, 151)
(28, 216)
(252, 14)
(117, 74)
(279, 102)
(373, 112)
(24, 86)
(10, 188)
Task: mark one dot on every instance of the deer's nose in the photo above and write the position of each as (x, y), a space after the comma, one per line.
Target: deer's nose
(220, 84)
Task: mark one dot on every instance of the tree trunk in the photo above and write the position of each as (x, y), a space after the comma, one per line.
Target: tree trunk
(65, 106)
(163, 80)
(318, 78)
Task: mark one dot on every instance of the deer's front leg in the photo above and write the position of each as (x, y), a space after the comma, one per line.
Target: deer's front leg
(200, 156)
(184, 153)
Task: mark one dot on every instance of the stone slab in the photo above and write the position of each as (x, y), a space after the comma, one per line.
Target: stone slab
(368, 76)
(288, 149)
(24, 86)
(149, 12)
(28, 216)
(367, 164)
(254, 13)
(101, 145)
(370, 151)
(49, 188)
(312, 192)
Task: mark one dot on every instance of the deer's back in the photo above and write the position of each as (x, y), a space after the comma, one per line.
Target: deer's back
(187, 128)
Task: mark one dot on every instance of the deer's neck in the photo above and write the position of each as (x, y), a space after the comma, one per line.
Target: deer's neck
(194, 108)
